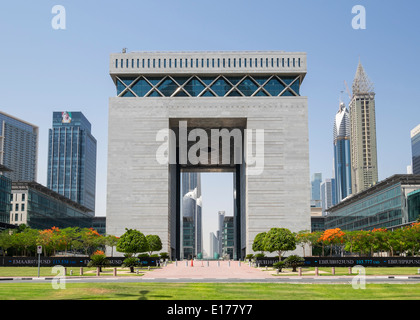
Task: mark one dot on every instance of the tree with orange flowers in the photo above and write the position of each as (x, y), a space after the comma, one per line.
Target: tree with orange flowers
(331, 237)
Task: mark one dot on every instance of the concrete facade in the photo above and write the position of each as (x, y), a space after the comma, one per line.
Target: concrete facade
(141, 191)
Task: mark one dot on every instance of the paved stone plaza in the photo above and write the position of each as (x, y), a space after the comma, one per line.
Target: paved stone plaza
(208, 269)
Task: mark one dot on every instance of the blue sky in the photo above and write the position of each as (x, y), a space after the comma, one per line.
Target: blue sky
(45, 70)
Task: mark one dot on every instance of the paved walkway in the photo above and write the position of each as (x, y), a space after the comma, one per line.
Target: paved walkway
(208, 269)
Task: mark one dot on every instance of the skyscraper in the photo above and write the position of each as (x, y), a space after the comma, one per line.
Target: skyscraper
(415, 149)
(328, 194)
(364, 165)
(18, 148)
(72, 158)
(342, 157)
(192, 242)
(316, 190)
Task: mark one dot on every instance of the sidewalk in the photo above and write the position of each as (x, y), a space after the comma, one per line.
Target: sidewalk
(208, 269)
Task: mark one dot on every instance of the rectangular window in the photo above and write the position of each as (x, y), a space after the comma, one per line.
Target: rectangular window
(148, 63)
(23, 197)
(126, 63)
(16, 216)
(16, 206)
(142, 63)
(158, 63)
(116, 63)
(170, 63)
(132, 63)
(208, 63)
(22, 207)
(239, 62)
(138, 63)
(154, 63)
(164, 63)
(122, 63)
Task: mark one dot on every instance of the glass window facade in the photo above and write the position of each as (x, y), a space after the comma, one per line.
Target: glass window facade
(413, 203)
(5, 196)
(415, 151)
(72, 158)
(19, 145)
(45, 211)
(208, 86)
(382, 209)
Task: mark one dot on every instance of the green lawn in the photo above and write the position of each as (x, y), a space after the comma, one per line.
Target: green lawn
(47, 272)
(207, 291)
(343, 271)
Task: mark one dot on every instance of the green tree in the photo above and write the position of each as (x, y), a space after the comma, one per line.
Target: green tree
(258, 244)
(154, 243)
(111, 241)
(294, 261)
(5, 241)
(303, 238)
(98, 259)
(279, 240)
(132, 242)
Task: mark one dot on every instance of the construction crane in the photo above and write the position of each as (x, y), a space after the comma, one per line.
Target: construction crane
(347, 89)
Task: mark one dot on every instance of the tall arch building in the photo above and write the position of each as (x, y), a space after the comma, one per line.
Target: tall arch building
(171, 106)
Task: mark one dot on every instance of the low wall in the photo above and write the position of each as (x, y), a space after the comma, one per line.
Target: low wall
(65, 261)
(350, 261)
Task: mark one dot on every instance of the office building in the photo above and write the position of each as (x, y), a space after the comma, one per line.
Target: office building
(228, 237)
(391, 203)
(192, 215)
(342, 156)
(41, 208)
(18, 148)
(72, 158)
(316, 190)
(415, 150)
(364, 165)
(5, 196)
(328, 194)
(184, 97)
(214, 247)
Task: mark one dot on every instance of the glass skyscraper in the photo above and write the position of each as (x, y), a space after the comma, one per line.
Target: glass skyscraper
(415, 149)
(72, 158)
(18, 148)
(191, 214)
(328, 195)
(342, 157)
(316, 190)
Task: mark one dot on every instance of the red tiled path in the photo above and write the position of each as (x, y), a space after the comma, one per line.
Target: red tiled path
(207, 269)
